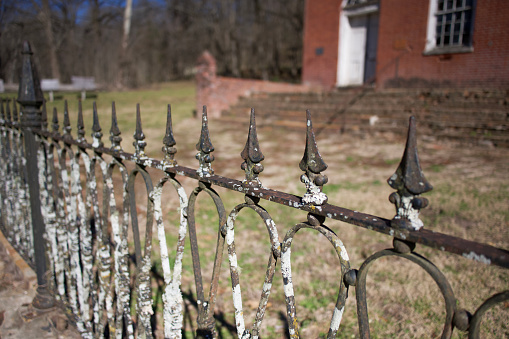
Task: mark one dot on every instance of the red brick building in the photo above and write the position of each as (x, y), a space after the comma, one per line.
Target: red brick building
(411, 43)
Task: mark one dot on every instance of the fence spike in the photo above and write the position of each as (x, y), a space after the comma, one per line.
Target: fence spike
(67, 124)
(139, 138)
(44, 117)
(80, 125)
(8, 111)
(54, 121)
(169, 142)
(312, 164)
(2, 112)
(409, 181)
(252, 155)
(115, 137)
(96, 129)
(15, 115)
(204, 147)
(30, 92)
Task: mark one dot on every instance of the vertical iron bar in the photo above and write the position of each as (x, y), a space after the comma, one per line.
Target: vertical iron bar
(31, 99)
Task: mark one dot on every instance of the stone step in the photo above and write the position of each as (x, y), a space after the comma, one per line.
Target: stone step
(374, 105)
(471, 118)
(466, 115)
(396, 127)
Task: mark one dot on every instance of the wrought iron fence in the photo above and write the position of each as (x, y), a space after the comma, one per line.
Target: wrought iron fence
(77, 237)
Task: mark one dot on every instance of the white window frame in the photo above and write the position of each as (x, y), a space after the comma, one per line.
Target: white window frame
(431, 47)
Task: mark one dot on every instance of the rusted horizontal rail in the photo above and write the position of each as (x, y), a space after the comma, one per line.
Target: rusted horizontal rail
(59, 217)
(484, 253)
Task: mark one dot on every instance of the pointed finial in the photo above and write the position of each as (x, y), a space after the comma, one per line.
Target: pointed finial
(30, 93)
(2, 112)
(312, 163)
(139, 138)
(15, 115)
(44, 118)
(96, 129)
(204, 147)
(54, 121)
(115, 137)
(252, 156)
(67, 124)
(8, 111)
(409, 181)
(81, 125)
(169, 142)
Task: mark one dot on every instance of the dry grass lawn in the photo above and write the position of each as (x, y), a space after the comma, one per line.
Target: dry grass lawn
(470, 200)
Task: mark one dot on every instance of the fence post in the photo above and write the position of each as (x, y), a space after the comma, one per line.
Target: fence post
(30, 98)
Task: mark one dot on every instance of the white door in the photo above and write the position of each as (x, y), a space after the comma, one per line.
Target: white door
(357, 48)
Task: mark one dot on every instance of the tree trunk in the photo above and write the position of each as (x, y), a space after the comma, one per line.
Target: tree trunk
(124, 58)
(52, 49)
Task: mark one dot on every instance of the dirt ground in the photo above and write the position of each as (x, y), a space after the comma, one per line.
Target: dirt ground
(470, 200)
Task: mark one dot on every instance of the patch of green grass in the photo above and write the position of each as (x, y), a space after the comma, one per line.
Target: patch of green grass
(436, 168)
(153, 107)
(393, 161)
(349, 186)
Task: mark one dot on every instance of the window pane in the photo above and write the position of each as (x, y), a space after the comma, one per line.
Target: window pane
(453, 28)
(457, 28)
(456, 39)
(466, 39)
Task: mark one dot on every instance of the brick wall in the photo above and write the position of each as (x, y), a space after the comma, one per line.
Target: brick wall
(219, 93)
(321, 37)
(401, 42)
(402, 35)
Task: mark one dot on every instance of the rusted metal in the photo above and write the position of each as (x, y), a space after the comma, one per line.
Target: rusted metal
(312, 164)
(205, 321)
(86, 239)
(115, 137)
(315, 224)
(409, 181)
(30, 98)
(432, 270)
(252, 156)
(205, 148)
(474, 324)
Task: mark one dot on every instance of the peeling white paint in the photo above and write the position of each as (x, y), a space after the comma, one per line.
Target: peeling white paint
(477, 257)
(336, 319)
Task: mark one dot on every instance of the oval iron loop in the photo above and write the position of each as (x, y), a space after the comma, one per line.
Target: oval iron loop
(286, 270)
(61, 234)
(18, 209)
(71, 189)
(83, 220)
(144, 309)
(206, 321)
(428, 266)
(172, 295)
(119, 231)
(48, 208)
(234, 269)
(104, 282)
(475, 322)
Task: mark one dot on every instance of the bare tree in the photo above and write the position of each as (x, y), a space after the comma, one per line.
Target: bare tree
(52, 48)
(125, 43)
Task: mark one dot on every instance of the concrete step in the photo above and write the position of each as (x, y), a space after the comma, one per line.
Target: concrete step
(470, 116)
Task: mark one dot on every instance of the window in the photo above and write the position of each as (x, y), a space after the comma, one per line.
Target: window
(351, 4)
(450, 24)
